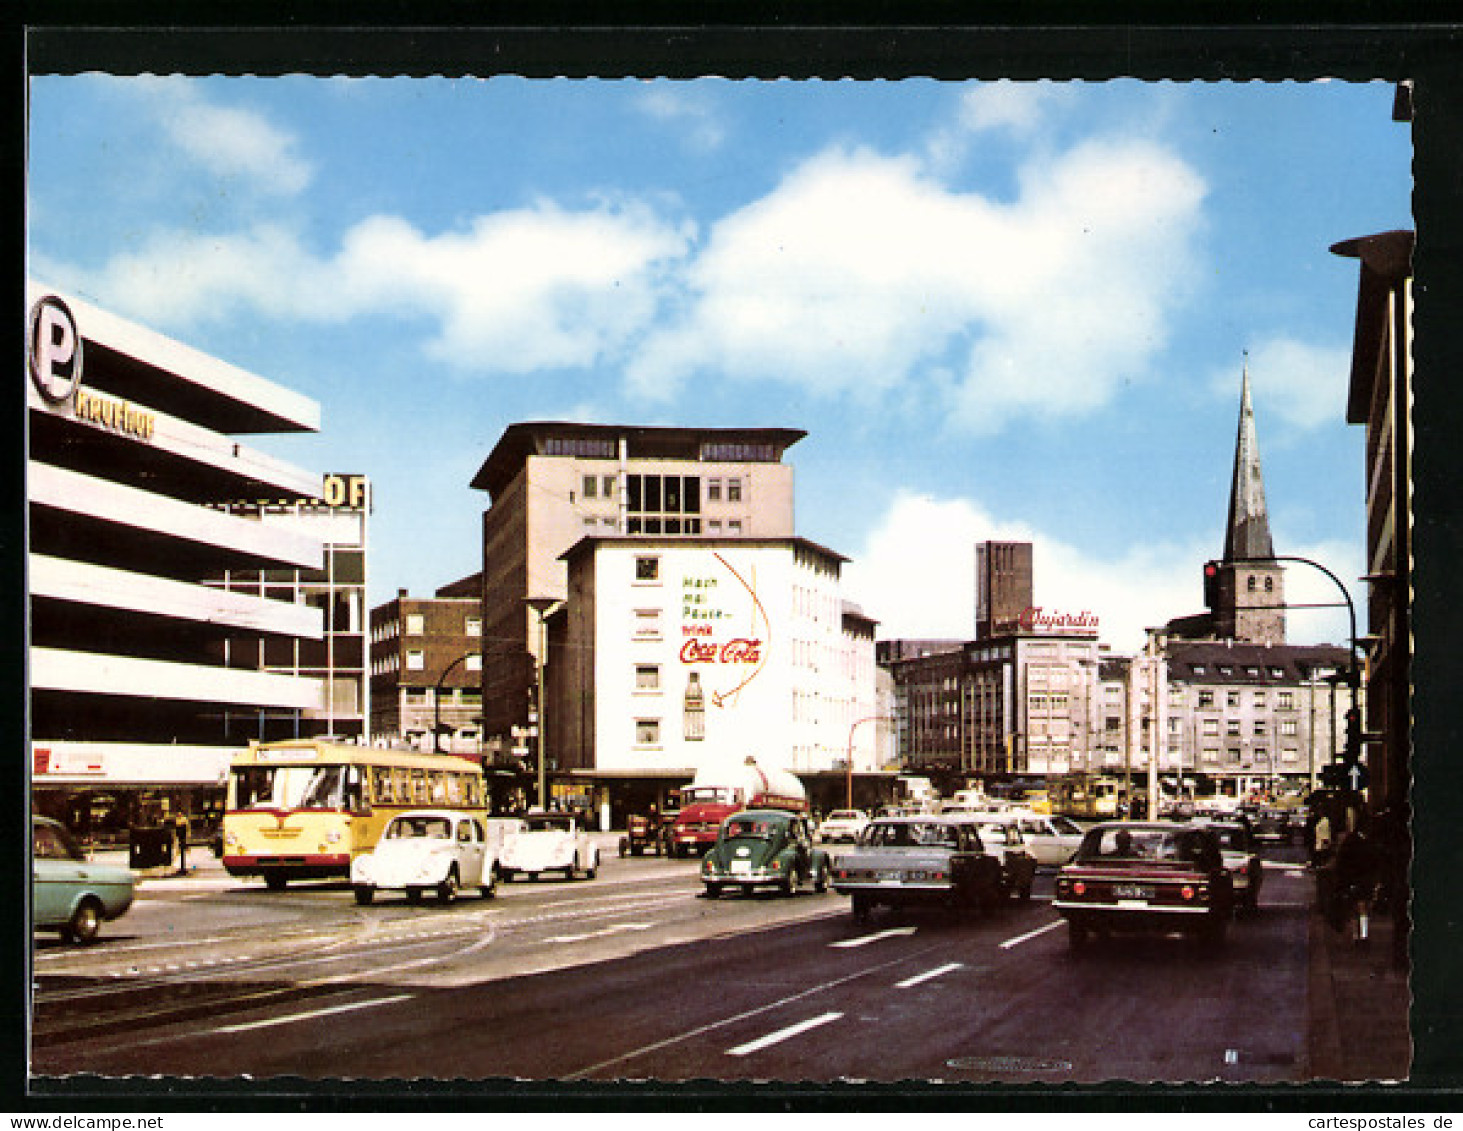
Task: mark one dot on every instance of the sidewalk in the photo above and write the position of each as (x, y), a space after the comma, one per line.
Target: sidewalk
(1358, 1003)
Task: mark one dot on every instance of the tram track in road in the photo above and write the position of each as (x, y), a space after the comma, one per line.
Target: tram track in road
(158, 984)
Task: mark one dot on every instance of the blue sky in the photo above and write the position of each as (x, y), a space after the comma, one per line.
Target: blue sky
(998, 310)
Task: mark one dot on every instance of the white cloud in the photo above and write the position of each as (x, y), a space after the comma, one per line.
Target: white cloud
(522, 290)
(1006, 105)
(514, 292)
(1304, 384)
(229, 141)
(861, 271)
(681, 107)
(916, 575)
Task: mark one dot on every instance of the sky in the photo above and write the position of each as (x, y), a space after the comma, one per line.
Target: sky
(999, 310)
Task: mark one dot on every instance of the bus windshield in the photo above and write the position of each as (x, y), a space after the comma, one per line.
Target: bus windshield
(287, 787)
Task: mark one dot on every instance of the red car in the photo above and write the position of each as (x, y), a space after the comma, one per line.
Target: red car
(1146, 876)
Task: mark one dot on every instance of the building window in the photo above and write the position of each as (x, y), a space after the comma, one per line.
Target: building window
(734, 490)
(647, 569)
(416, 660)
(1259, 699)
(591, 486)
(473, 626)
(713, 490)
(647, 732)
(416, 624)
(1234, 727)
(1286, 701)
(647, 677)
(1250, 584)
(474, 662)
(1259, 728)
(1233, 699)
(663, 504)
(1211, 726)
(1211, 755)
(647, 624)
(738, 453)
(734, 527)
(1290, 754)
(1289, 727)
(1206, 699)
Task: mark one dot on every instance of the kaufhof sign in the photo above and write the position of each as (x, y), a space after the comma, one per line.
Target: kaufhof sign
(55, 361)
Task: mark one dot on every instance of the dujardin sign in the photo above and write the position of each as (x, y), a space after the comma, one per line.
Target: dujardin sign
(54, 352)
(1035, 618)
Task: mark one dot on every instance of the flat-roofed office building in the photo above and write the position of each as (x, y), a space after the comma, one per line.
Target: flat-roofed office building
(551, 484)
(136, 444)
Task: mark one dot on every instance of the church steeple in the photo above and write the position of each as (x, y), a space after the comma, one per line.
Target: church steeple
(1250, 604)
(1247, 534)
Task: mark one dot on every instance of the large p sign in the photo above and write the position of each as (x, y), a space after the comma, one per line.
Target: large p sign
(55, 350)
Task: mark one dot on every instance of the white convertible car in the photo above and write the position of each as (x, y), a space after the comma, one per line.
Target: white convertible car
(422, 850)
(550, 842)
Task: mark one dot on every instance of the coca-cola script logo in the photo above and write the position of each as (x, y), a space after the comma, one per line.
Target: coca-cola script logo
(738, 651)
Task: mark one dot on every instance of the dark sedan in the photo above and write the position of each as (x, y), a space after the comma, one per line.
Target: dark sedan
(1140, 876)
(925, 859)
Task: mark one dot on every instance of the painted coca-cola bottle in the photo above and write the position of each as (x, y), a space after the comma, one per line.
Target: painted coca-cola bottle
(695, 709)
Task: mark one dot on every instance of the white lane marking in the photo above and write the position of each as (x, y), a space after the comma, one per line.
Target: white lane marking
(712, 1026)
(1019, 939)
(927, 975)
(864, 940)
(267, 1022)
(782, 1034)
(618, 928)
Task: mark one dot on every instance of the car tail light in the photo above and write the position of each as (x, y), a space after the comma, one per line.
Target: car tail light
(1079, 888)
(777, 865)
(1187, 891)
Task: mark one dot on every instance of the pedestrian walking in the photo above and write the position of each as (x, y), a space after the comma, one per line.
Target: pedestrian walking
(1357, 876)
(1321, 840)
(181, 832)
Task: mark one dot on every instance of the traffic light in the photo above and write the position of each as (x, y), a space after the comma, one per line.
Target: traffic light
(1211, 585)
(1353, 735)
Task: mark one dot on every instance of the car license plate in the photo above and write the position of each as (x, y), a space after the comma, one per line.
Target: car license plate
(741, 867)
(1133, 891)
(890, 877)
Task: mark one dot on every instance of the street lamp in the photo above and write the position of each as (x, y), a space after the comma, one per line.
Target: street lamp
(542, 606)
(848, 766)
(437, 701)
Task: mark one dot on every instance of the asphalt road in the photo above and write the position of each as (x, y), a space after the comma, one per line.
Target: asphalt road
(636, 976)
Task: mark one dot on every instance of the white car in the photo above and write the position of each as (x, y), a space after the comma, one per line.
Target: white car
(437, 850)
(549, 842)
(843, 825)
(1052, 838)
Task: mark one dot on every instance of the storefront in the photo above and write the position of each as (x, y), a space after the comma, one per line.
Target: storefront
(101, 791)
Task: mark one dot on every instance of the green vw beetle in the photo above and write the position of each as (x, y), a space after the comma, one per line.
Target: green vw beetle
(764, 848)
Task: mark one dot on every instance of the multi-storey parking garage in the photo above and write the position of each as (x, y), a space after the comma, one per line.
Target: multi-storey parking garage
(137, 445)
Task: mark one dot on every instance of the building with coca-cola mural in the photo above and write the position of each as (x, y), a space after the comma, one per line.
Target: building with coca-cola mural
(673, 654)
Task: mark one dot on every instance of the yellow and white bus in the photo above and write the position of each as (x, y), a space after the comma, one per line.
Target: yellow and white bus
(1089, 796)
(303, 809)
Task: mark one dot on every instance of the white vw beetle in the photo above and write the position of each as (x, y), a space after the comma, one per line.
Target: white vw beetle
(550, 842)
(427, 849)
